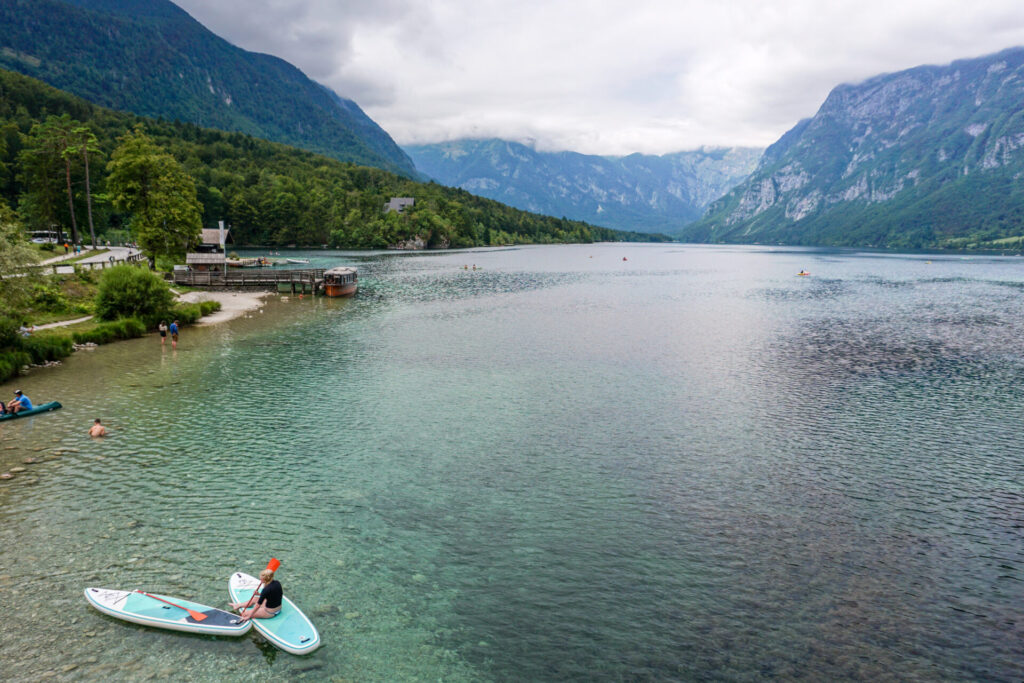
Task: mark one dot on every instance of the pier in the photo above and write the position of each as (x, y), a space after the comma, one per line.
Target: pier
(297, 281)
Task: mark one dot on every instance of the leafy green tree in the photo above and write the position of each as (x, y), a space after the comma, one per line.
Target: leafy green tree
(130, 291)
(16, 280)
(148, 183)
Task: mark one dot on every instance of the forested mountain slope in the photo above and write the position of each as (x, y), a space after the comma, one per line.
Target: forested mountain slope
(269, 193)
(635, 192)
(928, 157)
(149, 57)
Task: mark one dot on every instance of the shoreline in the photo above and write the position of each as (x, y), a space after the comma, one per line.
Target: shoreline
(232, 304)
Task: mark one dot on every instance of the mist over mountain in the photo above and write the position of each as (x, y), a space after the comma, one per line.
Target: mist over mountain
(635, 192)
(928, 157)
(151, 58)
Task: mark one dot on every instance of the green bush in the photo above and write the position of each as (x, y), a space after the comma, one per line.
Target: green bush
(46, 348)
(125, 328)
(9, 335)
(208, 307)
(11, 363)
(48, 298)
(86, 275)
(131, 291)
(186, 314)
(48, 246)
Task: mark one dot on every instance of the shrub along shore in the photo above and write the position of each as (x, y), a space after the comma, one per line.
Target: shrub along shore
(128, 302)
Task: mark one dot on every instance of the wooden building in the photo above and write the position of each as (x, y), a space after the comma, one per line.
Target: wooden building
(208, 256)
(205, 263)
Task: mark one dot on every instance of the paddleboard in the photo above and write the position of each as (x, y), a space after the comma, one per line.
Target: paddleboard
(290, 630)
(139, 608)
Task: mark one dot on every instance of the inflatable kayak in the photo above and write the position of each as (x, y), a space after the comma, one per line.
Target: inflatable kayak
(44, 408)
(141, 608)
(290, 630)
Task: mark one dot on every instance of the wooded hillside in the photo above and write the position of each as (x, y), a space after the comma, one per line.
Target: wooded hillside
(269, 193)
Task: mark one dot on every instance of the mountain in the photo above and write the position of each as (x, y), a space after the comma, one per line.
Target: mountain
(636, 192)
(930, 157)
(149, 57)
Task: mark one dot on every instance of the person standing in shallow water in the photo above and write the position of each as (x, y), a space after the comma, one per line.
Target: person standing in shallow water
(174, 334)
(97, 429)
(163, 332)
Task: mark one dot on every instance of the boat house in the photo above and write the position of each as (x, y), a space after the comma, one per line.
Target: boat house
(208, 256)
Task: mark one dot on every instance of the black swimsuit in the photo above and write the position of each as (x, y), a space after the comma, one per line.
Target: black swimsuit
(271, 595)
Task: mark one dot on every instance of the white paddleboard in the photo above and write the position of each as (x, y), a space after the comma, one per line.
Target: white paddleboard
(139, 608)
(290, 630)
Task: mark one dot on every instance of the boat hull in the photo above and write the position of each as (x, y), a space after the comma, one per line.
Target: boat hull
(43, 408)
(139, 608)
(340, 290)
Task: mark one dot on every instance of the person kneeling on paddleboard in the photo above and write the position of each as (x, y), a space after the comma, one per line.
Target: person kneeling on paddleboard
(268, 604)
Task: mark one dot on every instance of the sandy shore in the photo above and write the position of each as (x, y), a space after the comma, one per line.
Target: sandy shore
(232, 304)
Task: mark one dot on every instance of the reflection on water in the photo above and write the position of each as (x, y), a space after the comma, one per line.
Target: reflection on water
(687, 465)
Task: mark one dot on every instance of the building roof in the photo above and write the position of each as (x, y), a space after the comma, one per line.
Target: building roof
(204, 259)
(212, 235)
(399, 203)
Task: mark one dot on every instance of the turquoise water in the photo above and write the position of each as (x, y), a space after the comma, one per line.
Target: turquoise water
(563, 465)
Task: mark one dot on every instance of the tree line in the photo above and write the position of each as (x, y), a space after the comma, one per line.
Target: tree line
(63, 160)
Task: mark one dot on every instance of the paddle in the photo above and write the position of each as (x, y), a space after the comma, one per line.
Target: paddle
(272, 566)
(198, 616)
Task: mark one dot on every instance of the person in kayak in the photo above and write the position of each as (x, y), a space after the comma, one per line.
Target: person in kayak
(19, 403)
(267, 603)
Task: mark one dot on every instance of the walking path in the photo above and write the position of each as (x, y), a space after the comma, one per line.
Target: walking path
(63, 323)
(63, 257)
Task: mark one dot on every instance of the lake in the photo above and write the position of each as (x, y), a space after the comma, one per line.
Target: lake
(587, 462)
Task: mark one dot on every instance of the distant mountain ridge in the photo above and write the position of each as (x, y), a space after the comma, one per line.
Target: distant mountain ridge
(635, 192)
(928, 157)
(151, 58)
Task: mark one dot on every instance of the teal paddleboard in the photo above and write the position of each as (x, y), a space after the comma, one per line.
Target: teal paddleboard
(290, 630)
(164, 611)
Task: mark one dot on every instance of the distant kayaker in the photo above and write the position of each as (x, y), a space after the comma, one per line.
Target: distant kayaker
(97, 429)
(19, 403)
(265, 605)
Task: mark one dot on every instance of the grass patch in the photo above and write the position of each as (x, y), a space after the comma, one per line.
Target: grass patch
(104, 333)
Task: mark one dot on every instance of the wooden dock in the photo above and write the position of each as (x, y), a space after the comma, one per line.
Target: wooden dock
(306, 280)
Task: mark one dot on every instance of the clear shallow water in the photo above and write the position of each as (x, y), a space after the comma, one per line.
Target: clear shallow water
(688, 465)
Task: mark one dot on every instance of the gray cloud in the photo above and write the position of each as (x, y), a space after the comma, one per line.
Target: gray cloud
(607, 77)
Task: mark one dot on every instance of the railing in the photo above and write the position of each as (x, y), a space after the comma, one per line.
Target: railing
(247, 278)
(108, 263)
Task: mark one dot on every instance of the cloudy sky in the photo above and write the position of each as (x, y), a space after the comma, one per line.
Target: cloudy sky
(605, 76)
